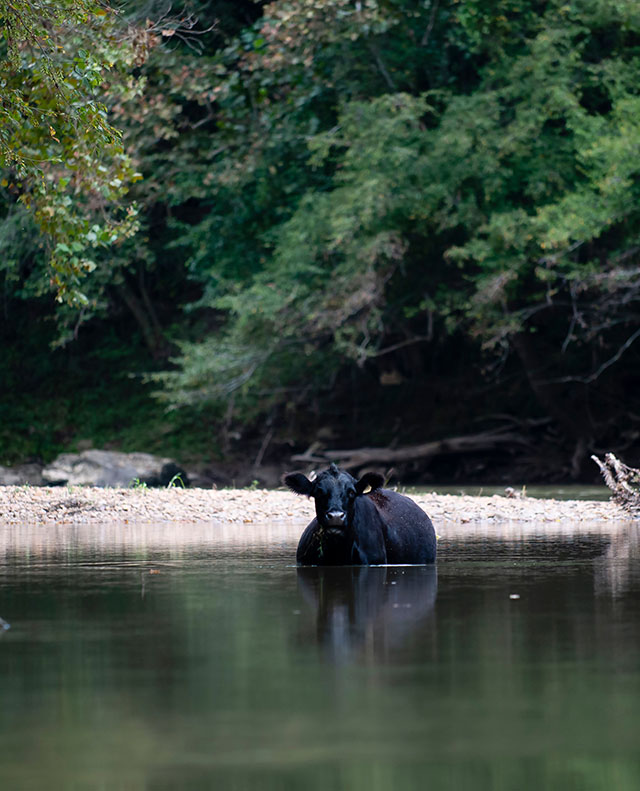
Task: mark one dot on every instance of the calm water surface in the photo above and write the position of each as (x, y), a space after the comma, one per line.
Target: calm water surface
(188, 657)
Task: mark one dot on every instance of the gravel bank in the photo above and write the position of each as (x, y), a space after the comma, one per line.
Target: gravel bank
(65, 505)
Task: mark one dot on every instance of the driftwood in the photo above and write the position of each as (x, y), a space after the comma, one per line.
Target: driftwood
(621, 479)
(361, 457)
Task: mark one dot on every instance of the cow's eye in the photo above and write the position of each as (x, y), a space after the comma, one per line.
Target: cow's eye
(351, 494)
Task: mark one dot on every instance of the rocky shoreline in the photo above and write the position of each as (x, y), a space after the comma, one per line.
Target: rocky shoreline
(93, 505)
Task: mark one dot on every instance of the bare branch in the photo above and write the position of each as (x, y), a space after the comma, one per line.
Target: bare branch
(400, 345)
(432, 18)
(619, 478)
(592, 377)
(382, 68)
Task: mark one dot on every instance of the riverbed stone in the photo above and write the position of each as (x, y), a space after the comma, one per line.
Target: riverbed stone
(477, 516)
(109, 468)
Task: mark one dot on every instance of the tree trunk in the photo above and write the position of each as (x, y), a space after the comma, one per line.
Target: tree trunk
(148, 323)
(361, 457)
(552, 396)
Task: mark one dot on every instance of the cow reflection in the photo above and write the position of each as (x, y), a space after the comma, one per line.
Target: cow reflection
(367, 610)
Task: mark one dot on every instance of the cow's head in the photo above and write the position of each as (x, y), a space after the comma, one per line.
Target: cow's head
(335, 492)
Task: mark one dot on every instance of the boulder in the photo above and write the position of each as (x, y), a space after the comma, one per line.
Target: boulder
(21, 474)
(111, 468)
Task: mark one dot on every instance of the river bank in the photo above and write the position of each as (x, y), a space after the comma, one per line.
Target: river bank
(78, 504)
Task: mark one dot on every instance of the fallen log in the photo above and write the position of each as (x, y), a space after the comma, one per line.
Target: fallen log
(361, 457)
(621, 479)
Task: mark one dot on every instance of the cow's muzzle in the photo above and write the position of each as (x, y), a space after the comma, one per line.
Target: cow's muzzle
(335, 518)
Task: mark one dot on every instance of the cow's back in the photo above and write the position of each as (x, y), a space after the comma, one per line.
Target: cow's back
(409, 533)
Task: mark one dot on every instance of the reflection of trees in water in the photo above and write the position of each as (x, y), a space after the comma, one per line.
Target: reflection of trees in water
(178, 539)
(615, 570)
(366, 611)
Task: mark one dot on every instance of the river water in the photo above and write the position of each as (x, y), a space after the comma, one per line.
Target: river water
(199, 657)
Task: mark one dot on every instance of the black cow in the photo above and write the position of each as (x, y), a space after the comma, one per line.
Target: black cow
(354, 528)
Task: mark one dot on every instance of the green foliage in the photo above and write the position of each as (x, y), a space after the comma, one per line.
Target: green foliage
(563, 177)
(484, 202)
(327, 184)
(62, 157)
(277, 222)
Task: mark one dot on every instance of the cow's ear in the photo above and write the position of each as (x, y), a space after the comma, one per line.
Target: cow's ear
(370, 479)
(298, 483)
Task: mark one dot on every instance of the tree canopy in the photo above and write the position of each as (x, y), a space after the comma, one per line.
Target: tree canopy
(310, 200)
(64, 159)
